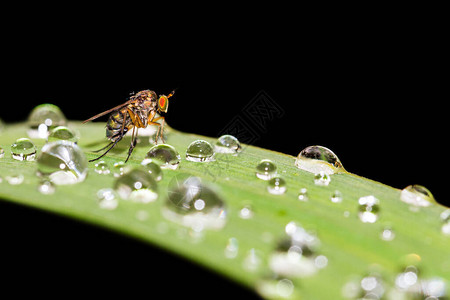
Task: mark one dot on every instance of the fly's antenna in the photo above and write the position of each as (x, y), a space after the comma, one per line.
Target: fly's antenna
(171, 93)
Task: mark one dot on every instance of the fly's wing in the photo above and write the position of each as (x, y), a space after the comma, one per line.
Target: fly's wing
(109, 110)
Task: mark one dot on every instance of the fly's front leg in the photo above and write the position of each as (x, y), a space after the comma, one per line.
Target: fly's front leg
(159, 132)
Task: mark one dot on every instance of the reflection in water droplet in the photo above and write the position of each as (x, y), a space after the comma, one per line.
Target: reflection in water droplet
(46, 187)
(336, 197)
(322, 178)
(368, 209)
(153, 169)
(165, 155)
(107, 199)
(317, 159)
(102, 168)
(303, 195)
(266, 169)
(62, 162)
(44, 117)
(62, 133)
(417, 195)
(232, 248)
(15, 179)
(296, 256)
(23, 149)
(228, 144)
(200, 151)
(136, 185)
(276, 186)
(193, 204)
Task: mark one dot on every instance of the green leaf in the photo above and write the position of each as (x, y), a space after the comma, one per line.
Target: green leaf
(352, 248)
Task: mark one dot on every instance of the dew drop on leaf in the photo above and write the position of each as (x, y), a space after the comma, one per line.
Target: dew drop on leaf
(417, 195)
(276, 186)
(200, 151)
(368, 209)
(266, 169)
(62, 133)
(43, 118)
(228, 144)
(23, 149)
(316, 159)
(165, 155)
(137, 185)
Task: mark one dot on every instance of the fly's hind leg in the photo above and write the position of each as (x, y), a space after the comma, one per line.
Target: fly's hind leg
(133, 142)
(113, 144)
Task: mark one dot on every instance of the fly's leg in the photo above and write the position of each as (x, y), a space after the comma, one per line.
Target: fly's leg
(133, 142)
(96, 151)
(159, 132)
(114, 143)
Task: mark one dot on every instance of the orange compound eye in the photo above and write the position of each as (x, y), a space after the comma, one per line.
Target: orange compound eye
(163, 103)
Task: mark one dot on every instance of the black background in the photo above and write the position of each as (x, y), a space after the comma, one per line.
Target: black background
(375, 97)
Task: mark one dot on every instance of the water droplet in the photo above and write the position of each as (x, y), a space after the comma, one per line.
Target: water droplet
(252, 261)
(417, 195)
(23, 149)
(368, 209)
(370, 286)
(107, 199)
(193, 204)
(232, 248)
(62, 133)
(266, 169)
(322, 178)
(228, 144)
(295, 256)
(246, 212)
(165, 155)
(62, 162)
(303, 195)
(136, 185)
(2, 152)
(200, 151)
(102, 168)
(387, 234)
(276, 289)
(15, 179)
(46, 187)
(336, 197)
(276, 186)
(316, 159)
(44, 117)
(445, 217)
(118, 168)
(152, 168)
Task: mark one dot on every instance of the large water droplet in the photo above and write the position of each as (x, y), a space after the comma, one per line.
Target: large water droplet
(43, 118)
(62, 133)
(417, 195)
(228, 144)
(165, 155)
(200, 151)
(316, 159)
(296, 255)
(153, 169)
(276, 186)
(266, 169)
(23, 149)
(62, 162)
(193, 204)
(368, 209)
(137, 185)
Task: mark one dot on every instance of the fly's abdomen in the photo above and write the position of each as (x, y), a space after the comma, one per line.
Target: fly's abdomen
(115, 123)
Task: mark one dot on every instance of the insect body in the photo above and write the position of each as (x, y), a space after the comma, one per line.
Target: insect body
(138, 112)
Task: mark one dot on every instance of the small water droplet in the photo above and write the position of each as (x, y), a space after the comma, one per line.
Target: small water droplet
(102, 168)
(276, 288)
(387, 234)
(200, 151)
(15, 179)
(266, 169)
(232, 248)
(153, 169)
(46, 187)
(295, 256)
(303, 195)
(107, 199)
(62, 162)
(118, 168)
(322, 178)
(336, 197)
(136, 185)
(368, 209)
(44, 117)
(193, 204)
(165, 155)
(252, 261)
(23, 149)
(368, 287)
(417, 195)
(246, 212)
(316, 159)
(445, 217)
(2, 152)
(62, 133)
(228, 144)
(142, 215)
(276, 186)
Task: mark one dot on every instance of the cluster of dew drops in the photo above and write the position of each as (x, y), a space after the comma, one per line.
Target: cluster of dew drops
(196, 205)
